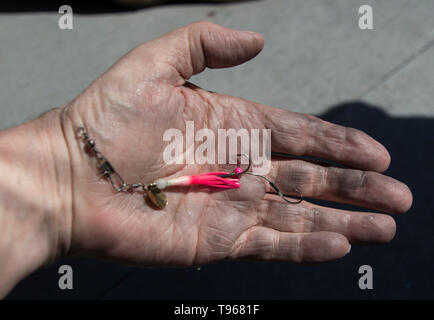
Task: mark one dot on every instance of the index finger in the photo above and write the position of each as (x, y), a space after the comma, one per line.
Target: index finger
(306, 135)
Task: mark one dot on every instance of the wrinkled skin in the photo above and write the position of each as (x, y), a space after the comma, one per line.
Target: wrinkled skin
(126, 112)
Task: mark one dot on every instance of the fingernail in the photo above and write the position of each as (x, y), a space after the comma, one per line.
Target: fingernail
(254, 34)
(349, 248)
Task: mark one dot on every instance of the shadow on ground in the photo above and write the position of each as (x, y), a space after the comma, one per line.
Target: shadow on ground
(402, 268)
(89, 7)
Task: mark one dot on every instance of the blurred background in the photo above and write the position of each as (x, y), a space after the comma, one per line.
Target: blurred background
(316, 60)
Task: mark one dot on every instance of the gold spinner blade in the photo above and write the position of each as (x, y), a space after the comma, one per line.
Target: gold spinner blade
(157, 197)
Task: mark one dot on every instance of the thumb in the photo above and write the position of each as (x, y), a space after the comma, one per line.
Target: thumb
(192, 48)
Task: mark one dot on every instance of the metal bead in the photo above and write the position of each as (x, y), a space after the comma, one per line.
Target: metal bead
(91, 143)
(161, 184)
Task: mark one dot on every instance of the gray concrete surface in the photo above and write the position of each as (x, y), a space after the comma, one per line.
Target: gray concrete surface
(315, 54)
(315, 58)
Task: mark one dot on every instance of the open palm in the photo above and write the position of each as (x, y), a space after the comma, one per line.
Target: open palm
(127, 110)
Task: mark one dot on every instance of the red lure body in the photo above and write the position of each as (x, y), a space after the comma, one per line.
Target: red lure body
(211, 179)
(214, 179)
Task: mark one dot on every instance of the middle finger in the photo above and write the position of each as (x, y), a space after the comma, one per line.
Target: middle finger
(361, 188)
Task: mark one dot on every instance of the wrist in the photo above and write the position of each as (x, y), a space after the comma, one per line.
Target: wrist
(35, 197)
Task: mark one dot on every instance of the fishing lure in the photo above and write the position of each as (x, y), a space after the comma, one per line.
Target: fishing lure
(153, 190)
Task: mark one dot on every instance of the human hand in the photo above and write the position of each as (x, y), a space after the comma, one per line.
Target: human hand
(127, 110)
